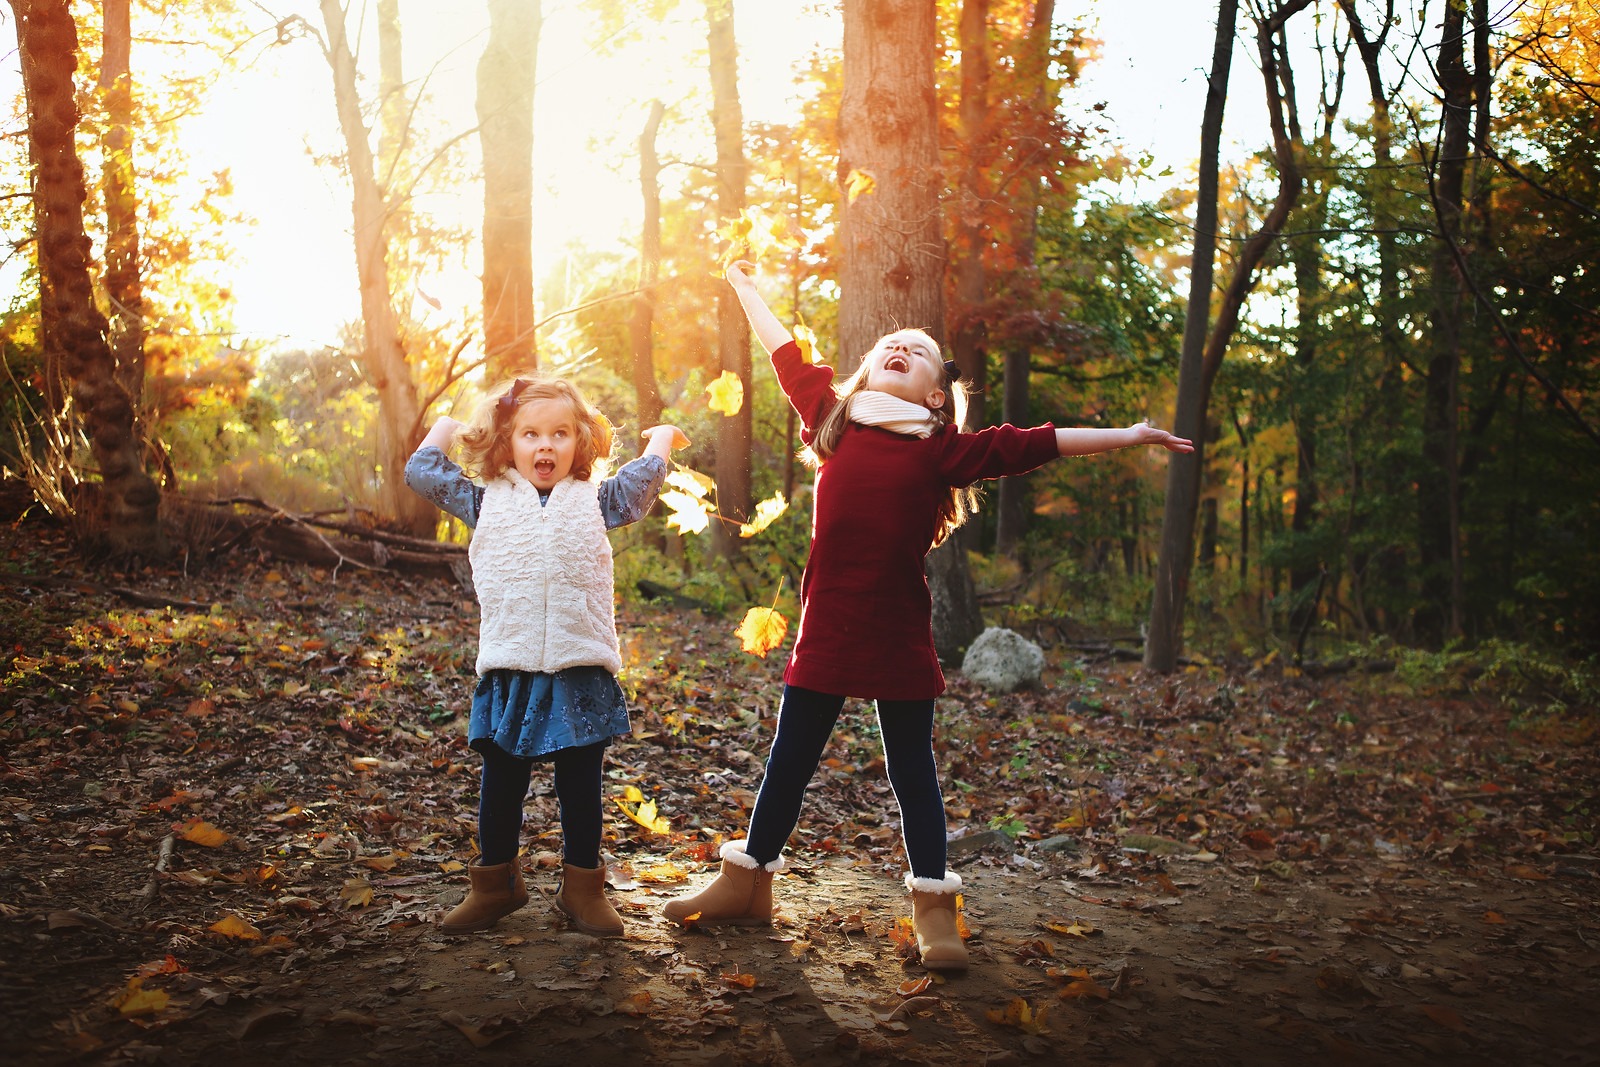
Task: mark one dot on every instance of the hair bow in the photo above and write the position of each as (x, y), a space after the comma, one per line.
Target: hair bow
(508, 403)
(952, 371)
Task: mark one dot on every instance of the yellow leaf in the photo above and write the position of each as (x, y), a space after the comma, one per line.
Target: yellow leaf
(767, 513)
(689, 514)
(807, 340)
(230, 925)
(860, 183)
(645, 815)
(632, 794)
(761, 631)
(200, 832)
(133, 999)
(380, 863)
(662, 873)
(726, 394)
(1019, 1014)
(692, 482)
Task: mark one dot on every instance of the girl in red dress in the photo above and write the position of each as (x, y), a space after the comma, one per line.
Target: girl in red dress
(894, 478)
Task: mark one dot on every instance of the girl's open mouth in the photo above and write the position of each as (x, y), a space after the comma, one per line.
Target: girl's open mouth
(897, 363)
(544, 468)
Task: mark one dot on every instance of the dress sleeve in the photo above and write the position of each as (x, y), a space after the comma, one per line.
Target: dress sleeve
(432, 476)
(994, 452)
(629, 493)
(809, 387)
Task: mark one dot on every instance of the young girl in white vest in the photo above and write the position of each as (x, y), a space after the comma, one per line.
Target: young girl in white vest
(893, 480)
(547, 642)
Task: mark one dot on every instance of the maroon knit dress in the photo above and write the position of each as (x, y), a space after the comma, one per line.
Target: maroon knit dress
(866, 619)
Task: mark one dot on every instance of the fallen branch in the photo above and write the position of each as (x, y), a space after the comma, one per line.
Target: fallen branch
(163, 859)
(78, 585)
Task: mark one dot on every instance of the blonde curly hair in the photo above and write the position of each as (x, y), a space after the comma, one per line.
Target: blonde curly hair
(486, 441)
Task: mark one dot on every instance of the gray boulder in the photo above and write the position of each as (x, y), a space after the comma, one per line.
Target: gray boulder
(1003, 661)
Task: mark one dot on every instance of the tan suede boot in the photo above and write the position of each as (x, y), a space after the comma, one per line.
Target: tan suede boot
(740, 895)
(582, 899)
(933, 913)
(496, 892)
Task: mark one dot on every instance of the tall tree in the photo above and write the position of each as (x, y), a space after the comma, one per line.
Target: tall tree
(733, 333)
(123, 290)
(383, 357)
(506, 79)
(970, 286)
(892, 260)
(125, 516)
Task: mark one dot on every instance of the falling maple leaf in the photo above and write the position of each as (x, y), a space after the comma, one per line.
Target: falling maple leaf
(761, 631)
(752, 235)
(860, 183)
(645, 815)
(806, 339)
(767, 513)
(688, 514)
(692, 482)
(726, 394)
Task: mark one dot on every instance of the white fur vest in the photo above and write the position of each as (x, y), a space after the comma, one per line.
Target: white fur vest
(543, 576)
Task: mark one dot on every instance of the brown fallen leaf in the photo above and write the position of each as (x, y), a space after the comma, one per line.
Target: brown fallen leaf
(1444, 1016)
(263, 1016)
(483, 1034)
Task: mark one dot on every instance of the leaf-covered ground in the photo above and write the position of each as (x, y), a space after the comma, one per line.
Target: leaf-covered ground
(228, 832)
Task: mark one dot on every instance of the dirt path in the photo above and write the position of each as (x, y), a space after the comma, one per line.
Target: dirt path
(1405, 963)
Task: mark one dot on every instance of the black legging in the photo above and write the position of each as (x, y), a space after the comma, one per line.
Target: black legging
(805, 720)
(505, 786)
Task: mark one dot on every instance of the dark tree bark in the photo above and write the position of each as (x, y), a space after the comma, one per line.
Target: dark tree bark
(1439, 497)
(124, 519)
(970, 285)
(892, 266)
(506, 76)
(734, 432)
(1184, 471)
(122, 281)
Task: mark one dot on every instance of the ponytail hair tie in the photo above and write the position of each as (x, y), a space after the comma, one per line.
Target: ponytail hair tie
(508, 403)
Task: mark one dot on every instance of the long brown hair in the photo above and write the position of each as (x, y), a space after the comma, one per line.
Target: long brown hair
(486, 442)
(962, 503)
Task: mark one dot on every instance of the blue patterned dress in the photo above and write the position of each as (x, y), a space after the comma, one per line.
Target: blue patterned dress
(529, 713)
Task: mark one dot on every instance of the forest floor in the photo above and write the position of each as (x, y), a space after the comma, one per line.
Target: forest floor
(229, 825)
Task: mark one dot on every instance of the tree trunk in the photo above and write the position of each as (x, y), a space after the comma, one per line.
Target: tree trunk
(891, 271)
(734, 432)
(1034, 64)
(1184, 472)
(966, 328)
(391, 91)
(122, 283)
(641, 321)
(506, 74)
(383, 357)
(1439, 497)
(125, 520)
(1164, 641)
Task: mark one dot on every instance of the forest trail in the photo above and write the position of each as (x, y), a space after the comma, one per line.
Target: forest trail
(228, 835)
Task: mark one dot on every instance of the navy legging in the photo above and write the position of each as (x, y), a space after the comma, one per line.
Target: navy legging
(505, 786)
(805, 720)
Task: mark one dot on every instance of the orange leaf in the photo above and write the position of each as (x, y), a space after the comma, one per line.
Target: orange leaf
(912, 986)
(1017, 1013)
(1494, 918)
(200, 832)
(860, 183)
(743, 981)
(133, 999)
(637, 1004)
(1085, 987)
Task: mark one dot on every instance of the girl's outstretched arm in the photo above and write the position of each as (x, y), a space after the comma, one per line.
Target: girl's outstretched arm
(442, 434)
(1085, 441)
(661, 440)
(769, 331)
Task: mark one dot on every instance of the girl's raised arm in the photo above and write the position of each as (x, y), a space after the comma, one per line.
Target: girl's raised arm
(442, 434)
(769, 331)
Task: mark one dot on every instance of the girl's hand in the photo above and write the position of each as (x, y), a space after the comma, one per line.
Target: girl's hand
(674, 437)
(443, 434)
(738, 274)
(1145, 434)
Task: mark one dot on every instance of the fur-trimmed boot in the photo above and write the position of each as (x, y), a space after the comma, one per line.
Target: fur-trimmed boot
(496, 892)
(582, 899)
(933, 913)
(741, 894)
